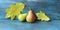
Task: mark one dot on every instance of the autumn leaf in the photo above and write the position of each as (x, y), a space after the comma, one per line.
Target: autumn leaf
(42, 16)
(14, 10)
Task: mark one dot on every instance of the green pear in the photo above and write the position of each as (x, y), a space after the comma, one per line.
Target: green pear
(30, 17)
(22, 17)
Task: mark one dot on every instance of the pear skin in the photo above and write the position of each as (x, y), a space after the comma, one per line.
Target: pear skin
(22, 17)
(30, 17)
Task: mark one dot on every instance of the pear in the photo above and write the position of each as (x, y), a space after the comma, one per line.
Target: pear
(30, 17)
(22, 17)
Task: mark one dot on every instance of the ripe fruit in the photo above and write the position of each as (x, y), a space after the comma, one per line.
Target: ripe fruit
(30, 17)
(22, 17)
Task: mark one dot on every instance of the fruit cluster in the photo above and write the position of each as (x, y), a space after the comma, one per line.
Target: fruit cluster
(31, 17)
(16, 10)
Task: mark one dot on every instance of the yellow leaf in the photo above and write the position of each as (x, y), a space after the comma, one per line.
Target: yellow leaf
(12, 17)
(41, 16)
(20, 6)
(14, 10)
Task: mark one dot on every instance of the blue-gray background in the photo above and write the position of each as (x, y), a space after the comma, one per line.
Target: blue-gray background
(50, 7)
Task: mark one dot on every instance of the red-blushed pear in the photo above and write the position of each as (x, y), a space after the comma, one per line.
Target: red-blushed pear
(30, 17)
